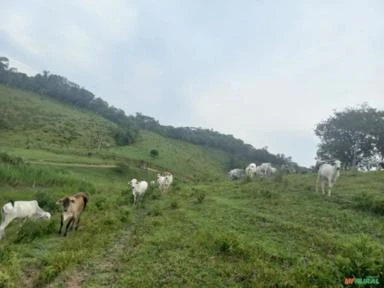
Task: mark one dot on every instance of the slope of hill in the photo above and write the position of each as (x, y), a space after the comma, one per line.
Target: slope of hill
(30, 120)
(39, 128)
(209, 232)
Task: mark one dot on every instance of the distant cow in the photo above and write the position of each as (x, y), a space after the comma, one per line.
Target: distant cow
(251, 170)
(266, 169)
(165, 181)
(236, 174)
(328, 174)
(21, 209)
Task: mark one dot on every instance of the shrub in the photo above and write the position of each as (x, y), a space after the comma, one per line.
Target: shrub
(175, 205)
(200, 197)
(154, 153)
(122, 168)
(5, 158)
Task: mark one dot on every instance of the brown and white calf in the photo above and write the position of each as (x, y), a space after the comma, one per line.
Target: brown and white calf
(73, 207)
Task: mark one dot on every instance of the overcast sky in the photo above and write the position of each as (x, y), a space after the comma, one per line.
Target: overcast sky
(264, 71)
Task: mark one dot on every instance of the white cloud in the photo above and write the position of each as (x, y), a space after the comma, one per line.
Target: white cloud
(15, 26)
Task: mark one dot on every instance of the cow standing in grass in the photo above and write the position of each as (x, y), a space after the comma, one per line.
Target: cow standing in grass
(328, 174)
(21, 210)
(73, 206)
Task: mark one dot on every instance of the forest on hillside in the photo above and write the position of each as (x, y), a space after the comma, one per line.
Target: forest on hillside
(66, 91)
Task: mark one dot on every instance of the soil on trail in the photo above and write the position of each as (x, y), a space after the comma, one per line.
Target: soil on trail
(73, 164)
(102, 269)
(84, 165)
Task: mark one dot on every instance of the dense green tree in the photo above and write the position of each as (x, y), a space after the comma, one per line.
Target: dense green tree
(352, 135)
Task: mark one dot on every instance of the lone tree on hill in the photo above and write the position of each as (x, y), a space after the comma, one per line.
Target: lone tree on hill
(352, 135)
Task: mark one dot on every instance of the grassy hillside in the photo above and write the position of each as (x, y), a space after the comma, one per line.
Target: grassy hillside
(29, 120)
(261, 233)
(209, 232)
(40, 129)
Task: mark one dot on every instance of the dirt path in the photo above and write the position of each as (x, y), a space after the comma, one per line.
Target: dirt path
(103, 268)
(83, 165)
(73, 164)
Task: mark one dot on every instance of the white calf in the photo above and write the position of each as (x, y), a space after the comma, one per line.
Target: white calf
(164, 182)
(328, 173)
(21, 209)
(138, 189)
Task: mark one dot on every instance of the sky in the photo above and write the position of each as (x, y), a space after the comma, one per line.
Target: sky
(263, 71)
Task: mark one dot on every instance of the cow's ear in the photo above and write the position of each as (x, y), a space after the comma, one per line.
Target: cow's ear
(60, 201)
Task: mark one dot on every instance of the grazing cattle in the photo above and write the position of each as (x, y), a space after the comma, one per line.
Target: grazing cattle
(273, 170)
(165, 181)
(73, 207)
(251, 170)
(328, 173)
(21, 209)
(259, 171)
(168, 178)
(236, 174)
(138, 189)
(265, 169)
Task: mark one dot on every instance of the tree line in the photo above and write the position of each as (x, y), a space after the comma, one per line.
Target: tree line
(355, 136)
(61, 89)
(241, 153)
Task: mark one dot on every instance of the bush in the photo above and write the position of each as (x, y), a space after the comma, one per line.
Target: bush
(200, 197)
(122, 168)
(175, 205)
(154, 153)
(5, 158)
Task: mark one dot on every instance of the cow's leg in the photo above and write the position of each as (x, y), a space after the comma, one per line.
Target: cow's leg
(317, 182)
(61, 223)
(69, 223)
(77, 223)
(329, 187)
(322, 186)
(5, 222)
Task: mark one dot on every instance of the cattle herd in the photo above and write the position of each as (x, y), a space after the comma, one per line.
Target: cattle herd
(73, 205)
(252, 170)
(327, 173)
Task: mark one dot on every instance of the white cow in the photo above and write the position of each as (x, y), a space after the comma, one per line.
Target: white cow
(21, 209)
(328, 173)
(265, 169)
(236, 174)
(259, 171)
(138, 189)
(168, 179)
(251, 170)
